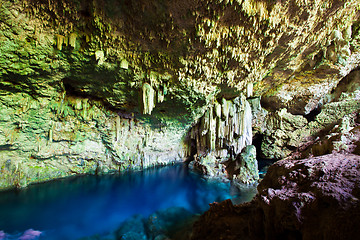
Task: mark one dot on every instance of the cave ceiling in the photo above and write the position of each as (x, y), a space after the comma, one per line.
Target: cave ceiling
(291, 53)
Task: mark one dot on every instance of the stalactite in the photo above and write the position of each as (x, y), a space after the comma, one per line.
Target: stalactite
(118, 128)
(220, 132)
(212, 131)
(124, 64)
(160, 95)
(223, 127)
(217, 109)
(225, 105)
(100, 57)
(247, 124)
(59, 41)
(50, 135)
(204, 124)
(249, 89)
(72, 39)
(148, 97)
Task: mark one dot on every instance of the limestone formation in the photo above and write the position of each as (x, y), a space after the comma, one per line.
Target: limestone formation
(54, 138)
(91, 87)
(285, 134)
(148, 98)
(221, 135)
(316, 198)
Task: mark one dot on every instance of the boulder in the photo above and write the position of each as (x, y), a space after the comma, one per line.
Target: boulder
(315, 198)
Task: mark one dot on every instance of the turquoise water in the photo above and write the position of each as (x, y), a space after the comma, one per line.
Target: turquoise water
(83, 206)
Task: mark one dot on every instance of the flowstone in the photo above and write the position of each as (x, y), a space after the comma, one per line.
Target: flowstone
(222, 134)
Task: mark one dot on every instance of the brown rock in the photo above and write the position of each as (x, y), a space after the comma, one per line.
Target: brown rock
(316, 198)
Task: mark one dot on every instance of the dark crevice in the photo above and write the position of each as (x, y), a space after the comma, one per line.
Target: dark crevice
(193, 149)
(312, 114)
(348, 84)
(6, 147)
(74, 92)
(257, 140)
(263, 164)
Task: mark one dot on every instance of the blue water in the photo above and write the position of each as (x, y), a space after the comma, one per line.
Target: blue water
(83, 206)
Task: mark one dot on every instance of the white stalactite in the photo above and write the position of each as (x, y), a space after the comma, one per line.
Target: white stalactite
(224, 126)
(148, 97)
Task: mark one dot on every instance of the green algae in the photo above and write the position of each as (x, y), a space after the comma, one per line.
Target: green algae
(83, 65)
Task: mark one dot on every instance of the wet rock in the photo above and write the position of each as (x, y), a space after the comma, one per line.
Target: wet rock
(132, 229)
(227, 221)
(315, 198)
(244, 168)
(171, 223)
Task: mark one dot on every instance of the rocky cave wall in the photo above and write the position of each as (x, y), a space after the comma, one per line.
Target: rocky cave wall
(50, 138)
(103, 85)
(316, 198)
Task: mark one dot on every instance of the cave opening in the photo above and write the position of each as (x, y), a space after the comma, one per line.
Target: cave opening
(71, 90)
(256, 141)
(263, 163)
(310, 117)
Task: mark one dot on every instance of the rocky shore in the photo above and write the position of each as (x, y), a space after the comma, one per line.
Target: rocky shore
(314, 198)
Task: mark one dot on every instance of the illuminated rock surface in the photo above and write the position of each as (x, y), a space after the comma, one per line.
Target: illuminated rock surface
(104, 86)
(315, 198)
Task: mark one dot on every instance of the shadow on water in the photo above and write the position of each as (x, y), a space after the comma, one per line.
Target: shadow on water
(83, 206)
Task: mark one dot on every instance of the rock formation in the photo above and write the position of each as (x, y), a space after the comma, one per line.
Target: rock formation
(316, 198)
(103, 85)
(284, 132)
(219, 138)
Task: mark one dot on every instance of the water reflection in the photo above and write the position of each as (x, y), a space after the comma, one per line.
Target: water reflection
(83, 206)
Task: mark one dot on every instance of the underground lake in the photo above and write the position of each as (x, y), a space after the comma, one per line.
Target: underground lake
(72, 208)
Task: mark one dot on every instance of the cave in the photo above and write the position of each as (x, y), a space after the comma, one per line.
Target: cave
(312, 114)
(173, 119)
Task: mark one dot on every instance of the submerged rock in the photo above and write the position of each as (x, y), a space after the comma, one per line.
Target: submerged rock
(132, 229)
(315, 198)
(171, 223)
